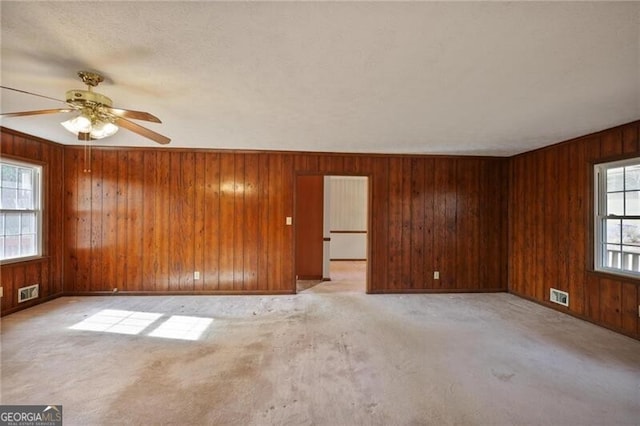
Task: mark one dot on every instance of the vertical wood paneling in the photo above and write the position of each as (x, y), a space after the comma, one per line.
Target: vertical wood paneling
(537, 226)
(564, 212)
(123, 219)
(135, 224)
(53, 157)
(441, 251)
(176, 220)
(405, 245)
(149, 236)
(394, 236)
(499, 231)
(8, 301)
(630, 305)
(122, 185)
(554, 187)
(94, 256)
(162, 235)
(592, 298)
(514, 220)
(451, 222)
(32, 275)
(83, 239)
(48, 271)
(251, 221)
(577, 231)
(227, 216)
(331, 164)
(428, 251)
(19, 146)
(417, 231)
(109, 220)
(7, 143)
(551, 227)
(187, 206)
(274, 191)
(610, 303)
(263, 222)
(19, 279)
(238, 224)
(72, 219)
(379, 225)
(212, 223)
(144, 220)
(467, 177)
(630, 139)
(199, 206)
(287, 283)
(611, 143)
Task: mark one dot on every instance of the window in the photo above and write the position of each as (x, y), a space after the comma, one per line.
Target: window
(20, 210)
(617, 212)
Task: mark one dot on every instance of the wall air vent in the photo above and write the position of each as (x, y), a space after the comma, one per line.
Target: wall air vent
(28, 293)
(559, 297)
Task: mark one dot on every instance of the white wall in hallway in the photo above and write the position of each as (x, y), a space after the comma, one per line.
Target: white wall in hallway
(348, 212)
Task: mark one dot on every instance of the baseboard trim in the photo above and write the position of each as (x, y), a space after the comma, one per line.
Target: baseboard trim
(567, 311)
(180, 293)
(310, 277)
(438, 290)
(30, 304)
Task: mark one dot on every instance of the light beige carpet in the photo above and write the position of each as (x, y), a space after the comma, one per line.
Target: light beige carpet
(330, 355)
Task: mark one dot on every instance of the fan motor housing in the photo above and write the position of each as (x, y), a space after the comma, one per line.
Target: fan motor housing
(85, 96)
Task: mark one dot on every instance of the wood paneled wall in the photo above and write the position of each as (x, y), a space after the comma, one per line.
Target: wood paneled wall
(145, 219)
(46, 271)
(550, 232)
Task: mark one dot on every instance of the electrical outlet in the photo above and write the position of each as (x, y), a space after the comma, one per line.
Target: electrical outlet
(196, 275)
(2, 293)
(289, 220)
(436, 275)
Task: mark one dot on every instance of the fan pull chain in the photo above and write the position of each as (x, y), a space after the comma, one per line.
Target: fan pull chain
(87, 158)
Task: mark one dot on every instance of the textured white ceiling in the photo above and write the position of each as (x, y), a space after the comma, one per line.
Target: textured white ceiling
(489, 78)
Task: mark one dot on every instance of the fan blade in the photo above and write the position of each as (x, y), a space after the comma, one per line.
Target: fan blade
(142, 131)
(137, 115)
(37, 112)
(34, 94)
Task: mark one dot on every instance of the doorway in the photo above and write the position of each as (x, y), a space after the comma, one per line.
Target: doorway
(332, 233)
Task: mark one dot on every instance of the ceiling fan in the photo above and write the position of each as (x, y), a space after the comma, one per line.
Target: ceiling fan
(96, 118)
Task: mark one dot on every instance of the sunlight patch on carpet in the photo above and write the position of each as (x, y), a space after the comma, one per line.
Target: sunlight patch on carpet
(182, 327)
(134, 322)
(117, 321)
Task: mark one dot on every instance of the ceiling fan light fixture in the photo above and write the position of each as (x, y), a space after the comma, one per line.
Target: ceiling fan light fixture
(103, 129)
(98, 129)
(79, 124)
(96, 118)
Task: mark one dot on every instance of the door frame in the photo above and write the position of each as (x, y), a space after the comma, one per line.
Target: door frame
(369, 221)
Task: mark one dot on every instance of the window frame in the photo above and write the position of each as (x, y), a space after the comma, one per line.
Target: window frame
(600, 217)
(38, 210)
